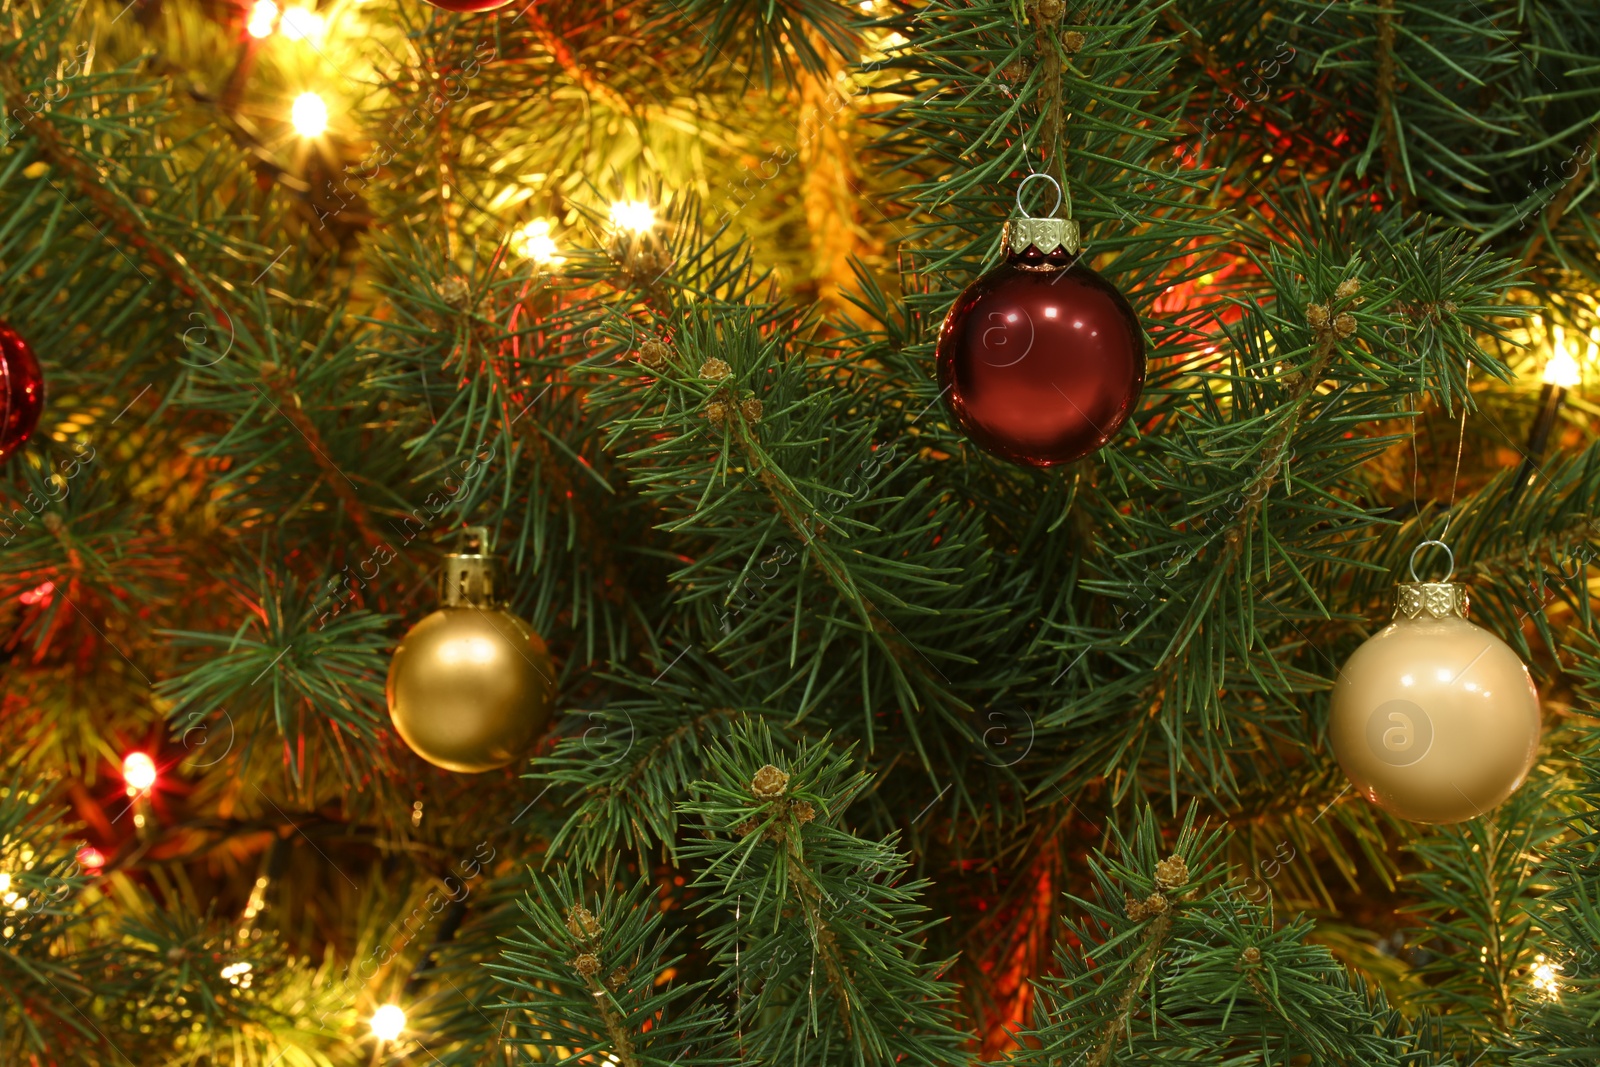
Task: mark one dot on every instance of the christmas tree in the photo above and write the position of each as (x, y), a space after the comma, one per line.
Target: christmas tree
(611, 333)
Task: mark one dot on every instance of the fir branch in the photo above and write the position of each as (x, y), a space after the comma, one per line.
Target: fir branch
(1152, 943)
(1557, 208)
(1393, 159)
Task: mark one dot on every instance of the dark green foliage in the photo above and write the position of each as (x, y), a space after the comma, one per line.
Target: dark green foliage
(282, 376)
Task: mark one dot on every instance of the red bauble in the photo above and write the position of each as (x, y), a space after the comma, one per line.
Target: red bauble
(1041, 359)
(21, 391)
(469, 6)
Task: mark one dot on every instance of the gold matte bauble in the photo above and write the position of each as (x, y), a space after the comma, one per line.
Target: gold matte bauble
(471, 688)
(1435, 718)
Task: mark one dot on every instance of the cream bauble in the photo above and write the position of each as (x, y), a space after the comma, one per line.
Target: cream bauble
(1434, 718)
(471, 686)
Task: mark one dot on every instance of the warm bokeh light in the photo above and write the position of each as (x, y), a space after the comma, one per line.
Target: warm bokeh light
(534, 242)
(1562, 370)
(39, 594)
(633, 215)
(139, 771)
(91, 857)
(387, 1022)
(309, 115)
(302, 24)
(238, 974)
(1545, 977)
(263, 14)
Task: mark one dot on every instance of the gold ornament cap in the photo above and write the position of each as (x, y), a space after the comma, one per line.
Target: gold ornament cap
(1437, 599)
(1440, 600)
(1043, 235)
(471, 578)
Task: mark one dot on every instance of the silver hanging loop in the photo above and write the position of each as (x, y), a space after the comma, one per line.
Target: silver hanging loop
(1047, 234)
(1447, 552)
(1024, 184)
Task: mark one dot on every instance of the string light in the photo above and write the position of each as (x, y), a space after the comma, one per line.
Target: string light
(237, 974)
(309, 115)
(139, 771)
(302, 24)
(39, 594)
(1562, 370)
(1545, 977)
(534, 242)
(636, 216)
(263, 14)
(387, 1022)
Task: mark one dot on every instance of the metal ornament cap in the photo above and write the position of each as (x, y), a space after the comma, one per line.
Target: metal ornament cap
(470, 579)
(1436, 599)
(1043, 235)
(1434, 718)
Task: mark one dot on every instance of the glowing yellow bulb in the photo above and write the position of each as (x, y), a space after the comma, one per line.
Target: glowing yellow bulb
(387, 1022)
(1545, 977)
(309, 115)
(634, 215)
(238, 974)
(1562, 370)
(139, 771)
(5, 881)
(534, 242)
(302, 24)
(263, 13)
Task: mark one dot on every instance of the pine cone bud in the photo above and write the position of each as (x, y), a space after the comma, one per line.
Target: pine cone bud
(587, 965)
(582, 924)
(804, 812)
(1317, 315)
(1172, 871)
(454, 291)
(768, 783)
(751, 409)
(1450, 307)
(1347, 288)
(1251, 955)
(1155, 904)
(1135, 909)
(1072, 41)
(618, 979)
(654, 353)
(714, 370)
(716, 413)
(1047, 10)
(1344, 325)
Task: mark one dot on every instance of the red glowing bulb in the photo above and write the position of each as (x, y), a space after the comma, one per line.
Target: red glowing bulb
(139, 771)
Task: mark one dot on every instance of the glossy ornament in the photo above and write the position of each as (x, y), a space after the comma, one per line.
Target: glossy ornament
(1041, 360)
(1434, 718)
(471, 686)
(469, 7)
(21, 391)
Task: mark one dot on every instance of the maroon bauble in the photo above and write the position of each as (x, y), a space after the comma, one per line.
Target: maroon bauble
(468, 7)
(21, 391)
(1041, 359)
